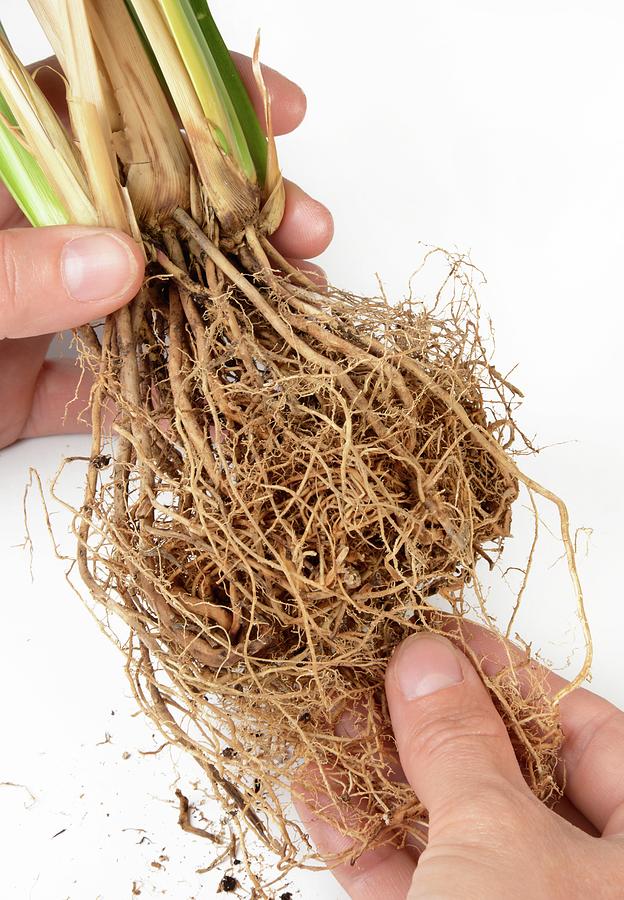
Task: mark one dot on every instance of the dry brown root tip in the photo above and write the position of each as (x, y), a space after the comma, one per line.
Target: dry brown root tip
(184, 820)
(299, 480)
(240, 802)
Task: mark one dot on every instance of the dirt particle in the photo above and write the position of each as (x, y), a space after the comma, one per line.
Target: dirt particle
(228, 884)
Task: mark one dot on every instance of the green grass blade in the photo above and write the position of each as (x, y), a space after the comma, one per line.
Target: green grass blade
(207, 81)
(24, 179)
(243, 107)
(22, 174)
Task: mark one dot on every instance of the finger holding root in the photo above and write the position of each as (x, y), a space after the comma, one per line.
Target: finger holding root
(333, 820)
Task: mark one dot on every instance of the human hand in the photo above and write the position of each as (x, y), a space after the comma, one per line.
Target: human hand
(52, 279)
(489, 837)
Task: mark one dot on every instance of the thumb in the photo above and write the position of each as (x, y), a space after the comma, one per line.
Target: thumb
(61, 277)
(452, 743)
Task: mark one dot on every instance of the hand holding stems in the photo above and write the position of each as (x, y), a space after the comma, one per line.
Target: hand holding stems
(52, 279)
(489, 837)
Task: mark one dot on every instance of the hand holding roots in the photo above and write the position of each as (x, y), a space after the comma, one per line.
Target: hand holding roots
(296, 473)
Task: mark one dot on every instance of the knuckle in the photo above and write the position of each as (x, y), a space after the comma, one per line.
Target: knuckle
(9, 286)
(437, 734)
(498, 815)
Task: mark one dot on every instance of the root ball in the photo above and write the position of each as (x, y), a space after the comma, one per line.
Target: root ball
(299, 479)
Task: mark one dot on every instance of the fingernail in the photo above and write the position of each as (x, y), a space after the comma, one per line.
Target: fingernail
(425, 664)
(314, 273)
(97, 267)
(314, 270)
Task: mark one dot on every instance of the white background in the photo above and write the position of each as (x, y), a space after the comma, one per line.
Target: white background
(491, 127)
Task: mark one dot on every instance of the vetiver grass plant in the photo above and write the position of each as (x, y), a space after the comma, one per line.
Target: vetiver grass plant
(294, 477)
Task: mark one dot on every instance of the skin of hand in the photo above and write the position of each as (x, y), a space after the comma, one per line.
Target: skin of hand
(53, 279)
(489, 837)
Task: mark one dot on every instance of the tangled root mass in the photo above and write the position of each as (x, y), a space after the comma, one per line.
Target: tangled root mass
(299, 477)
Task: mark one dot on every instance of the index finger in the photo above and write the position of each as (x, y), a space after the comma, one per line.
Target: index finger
(288, 102)
(385, 871)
